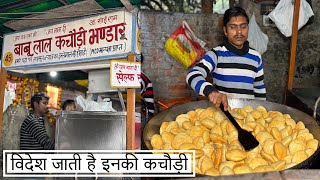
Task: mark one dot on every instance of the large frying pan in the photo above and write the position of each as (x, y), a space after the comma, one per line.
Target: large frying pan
(153, 126)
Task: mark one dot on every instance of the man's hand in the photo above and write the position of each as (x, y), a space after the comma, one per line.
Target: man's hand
(217, 98)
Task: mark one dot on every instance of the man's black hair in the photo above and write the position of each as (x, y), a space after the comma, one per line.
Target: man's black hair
(67, 103)
(234, 12)
(38, 97)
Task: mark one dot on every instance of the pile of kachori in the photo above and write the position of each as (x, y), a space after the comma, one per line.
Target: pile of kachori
(283, 142)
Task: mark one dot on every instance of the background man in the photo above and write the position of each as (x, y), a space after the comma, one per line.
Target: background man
(33, 135)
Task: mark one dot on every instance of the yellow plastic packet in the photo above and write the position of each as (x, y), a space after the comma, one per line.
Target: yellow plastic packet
(184, 46)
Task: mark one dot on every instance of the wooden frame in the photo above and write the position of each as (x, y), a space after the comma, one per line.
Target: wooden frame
(294, 39)
(293, 50)
(3, 81)
(131, 113)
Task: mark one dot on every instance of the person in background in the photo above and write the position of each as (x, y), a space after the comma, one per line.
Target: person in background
(146, 93)
(33, 135)
(147, 96)
(236, 68)
(69, 105)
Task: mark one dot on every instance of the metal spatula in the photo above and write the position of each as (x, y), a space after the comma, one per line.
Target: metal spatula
(247, 140)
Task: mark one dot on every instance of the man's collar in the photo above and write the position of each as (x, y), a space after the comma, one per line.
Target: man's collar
(244, 50)
(33, 114)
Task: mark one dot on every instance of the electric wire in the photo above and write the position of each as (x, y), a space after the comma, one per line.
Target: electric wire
(100, 11)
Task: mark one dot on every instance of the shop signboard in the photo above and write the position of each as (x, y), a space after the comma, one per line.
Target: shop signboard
(125, 74)
(110, 35)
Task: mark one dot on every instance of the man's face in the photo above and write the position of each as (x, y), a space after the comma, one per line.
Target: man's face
(236, 31)
(42, 107)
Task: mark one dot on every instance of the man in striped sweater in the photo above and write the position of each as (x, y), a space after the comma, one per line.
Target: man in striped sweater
(33, 135)
(147, 96)
(236, 69)
(146, 92)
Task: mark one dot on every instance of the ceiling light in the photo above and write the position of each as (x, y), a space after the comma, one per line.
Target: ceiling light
(53, 73)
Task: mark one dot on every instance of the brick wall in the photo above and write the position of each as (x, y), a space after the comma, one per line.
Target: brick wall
(167, 75)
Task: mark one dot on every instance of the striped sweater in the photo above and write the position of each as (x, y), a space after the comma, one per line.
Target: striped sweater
(238, 73)
(147, 95)
(33, 135)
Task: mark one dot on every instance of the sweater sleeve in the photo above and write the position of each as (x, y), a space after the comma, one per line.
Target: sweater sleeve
(196, 76)
(39, 133)
(147, 94)
(258, 85)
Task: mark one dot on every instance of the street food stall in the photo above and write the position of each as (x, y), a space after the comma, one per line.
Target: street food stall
(93, 43)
